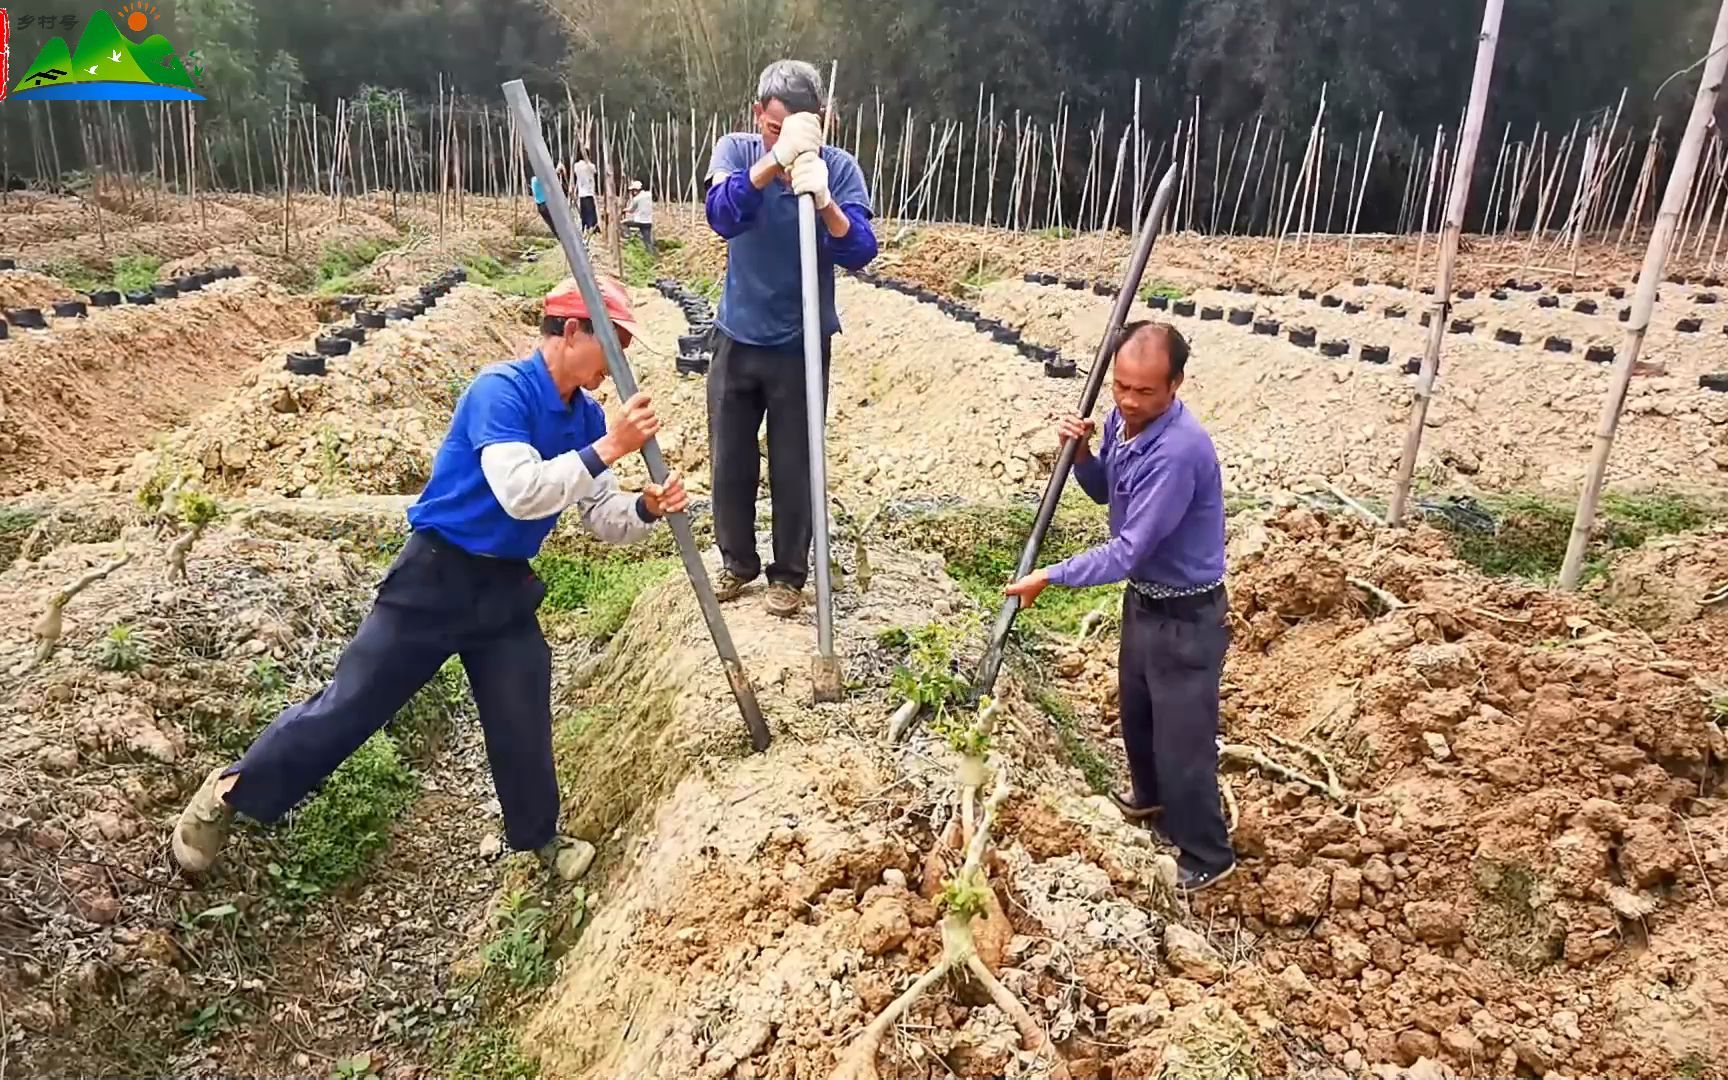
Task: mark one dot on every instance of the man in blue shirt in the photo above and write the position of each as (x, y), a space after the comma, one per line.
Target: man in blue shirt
(538, 190)
(526, 443)
(758, 369)
(1159, 474)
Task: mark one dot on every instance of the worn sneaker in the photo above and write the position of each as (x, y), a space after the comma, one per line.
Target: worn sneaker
(567, 857)
(202, 828)
(728, 585)
(1193, 881)
(784, 601)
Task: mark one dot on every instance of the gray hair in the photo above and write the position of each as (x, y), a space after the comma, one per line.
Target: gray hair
(798, 86)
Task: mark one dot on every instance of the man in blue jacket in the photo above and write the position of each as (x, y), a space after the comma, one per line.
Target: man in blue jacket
(758, 370)
(525, 444)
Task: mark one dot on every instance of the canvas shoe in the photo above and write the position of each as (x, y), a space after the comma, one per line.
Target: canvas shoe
(203, 826)
(567, 857)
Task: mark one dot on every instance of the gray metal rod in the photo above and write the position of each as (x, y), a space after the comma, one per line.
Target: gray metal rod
(1149, 229)
(815, 404)
(540, 159)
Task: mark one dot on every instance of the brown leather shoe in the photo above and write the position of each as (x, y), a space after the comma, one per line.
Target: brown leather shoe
(783, 600)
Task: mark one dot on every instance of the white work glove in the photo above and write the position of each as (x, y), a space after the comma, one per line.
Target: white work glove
(800, 133)
(810, 177)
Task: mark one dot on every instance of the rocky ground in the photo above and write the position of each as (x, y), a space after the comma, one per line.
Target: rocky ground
(1480, 820)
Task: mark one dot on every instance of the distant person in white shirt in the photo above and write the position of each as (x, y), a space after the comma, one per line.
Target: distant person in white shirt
(639, 217)
(585, 176)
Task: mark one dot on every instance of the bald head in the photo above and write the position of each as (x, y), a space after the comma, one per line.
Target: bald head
(1151, 359)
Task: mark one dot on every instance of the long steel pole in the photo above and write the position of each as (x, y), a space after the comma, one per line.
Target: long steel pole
(992, 664)
(528, 127)
(826, 684)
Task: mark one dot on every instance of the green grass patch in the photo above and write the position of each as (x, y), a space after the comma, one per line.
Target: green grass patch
(127, 273)
(1163, 289)
(1531, 532)
(422, 725)
(492, 1053)
(981, 547)
(1055, 232)
(984, 272)
(338, 263)
(639, 268)
(336, 834)
(598, 590)
(568, 731)
(133, 273)
(532, 280)
(707, 286)
(1080, 751)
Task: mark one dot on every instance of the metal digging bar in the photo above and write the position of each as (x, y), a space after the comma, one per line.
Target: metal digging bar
(528, 124)
(825, 679)
(992, 663)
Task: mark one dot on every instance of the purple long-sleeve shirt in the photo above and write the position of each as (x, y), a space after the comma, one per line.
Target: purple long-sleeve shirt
(1166, 497)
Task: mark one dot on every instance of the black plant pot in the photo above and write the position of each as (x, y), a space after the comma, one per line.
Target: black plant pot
(398, 313)
(1462, 326)
(1508, 337)
(1103, 288)
(1330, 301)
(1395, 312)
(5, 330)
(1302, 336)
(1158, 303)
(1376, 354)
(105, 298)
(1075, 283)
(143, 298)
(1351, 307)
(1689, 326)
(332, 346)
(188, 283)
(354, 334)
(8, 263)
(1241, 316)
(1585, 307)
(1334, 348)
(1006, 335)
(303, 364)
(1600, 354)
(1060, 369)
(1558, 344)
(369, 320)
(1267, 327)
(348, 304)
(1211, 314)
(165, 291)
(1182, 307)
(70, 309)
(1548, 301)
(27, 318)
(692, 343)
(1717, 381)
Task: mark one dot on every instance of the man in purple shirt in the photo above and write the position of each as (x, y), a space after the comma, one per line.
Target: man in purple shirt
(1159, 473)
(758, 371)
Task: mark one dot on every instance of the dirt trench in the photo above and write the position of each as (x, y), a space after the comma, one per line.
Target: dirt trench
(87, 391)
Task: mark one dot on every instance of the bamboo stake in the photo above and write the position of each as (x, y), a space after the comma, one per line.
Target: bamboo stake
(1428, 199)
(1313, 136)
(1635, 213)
(1464, 164)
(1491, 212)
(1247, 167)
(1362, 191)
(1655, 256)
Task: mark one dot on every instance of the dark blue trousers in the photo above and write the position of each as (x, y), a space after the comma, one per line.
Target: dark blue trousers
(1170, 664)
(437, 601)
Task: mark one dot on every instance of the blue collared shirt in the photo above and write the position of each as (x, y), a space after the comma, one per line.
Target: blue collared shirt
(762, 303)
(1166, 497)
(514, 401)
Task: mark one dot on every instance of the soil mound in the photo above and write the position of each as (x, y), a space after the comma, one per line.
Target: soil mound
(370, 426)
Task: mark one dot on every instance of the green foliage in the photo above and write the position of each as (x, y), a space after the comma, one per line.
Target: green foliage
(1693, 1066)
(532, 280)
(518, 953)
(78, 275)
(1531, 532)
(598, 590)
(928, 674)
(197, 508)
(985, 271)
(483, 269)
(133, 273)
(120, 650)
(707, 286)
(639, 268)
(963, 898)
(1163, 289)
(492, 1053)
(354, 1067)
(213, 1018)
(420, 727)
(335, 835)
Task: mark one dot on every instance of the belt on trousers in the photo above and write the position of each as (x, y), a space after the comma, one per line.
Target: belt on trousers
(1179, 607)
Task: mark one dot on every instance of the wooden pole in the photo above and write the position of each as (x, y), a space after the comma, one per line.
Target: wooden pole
(1649, 278)
(1464, 163)
(1491, 213)
(1428, 200)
